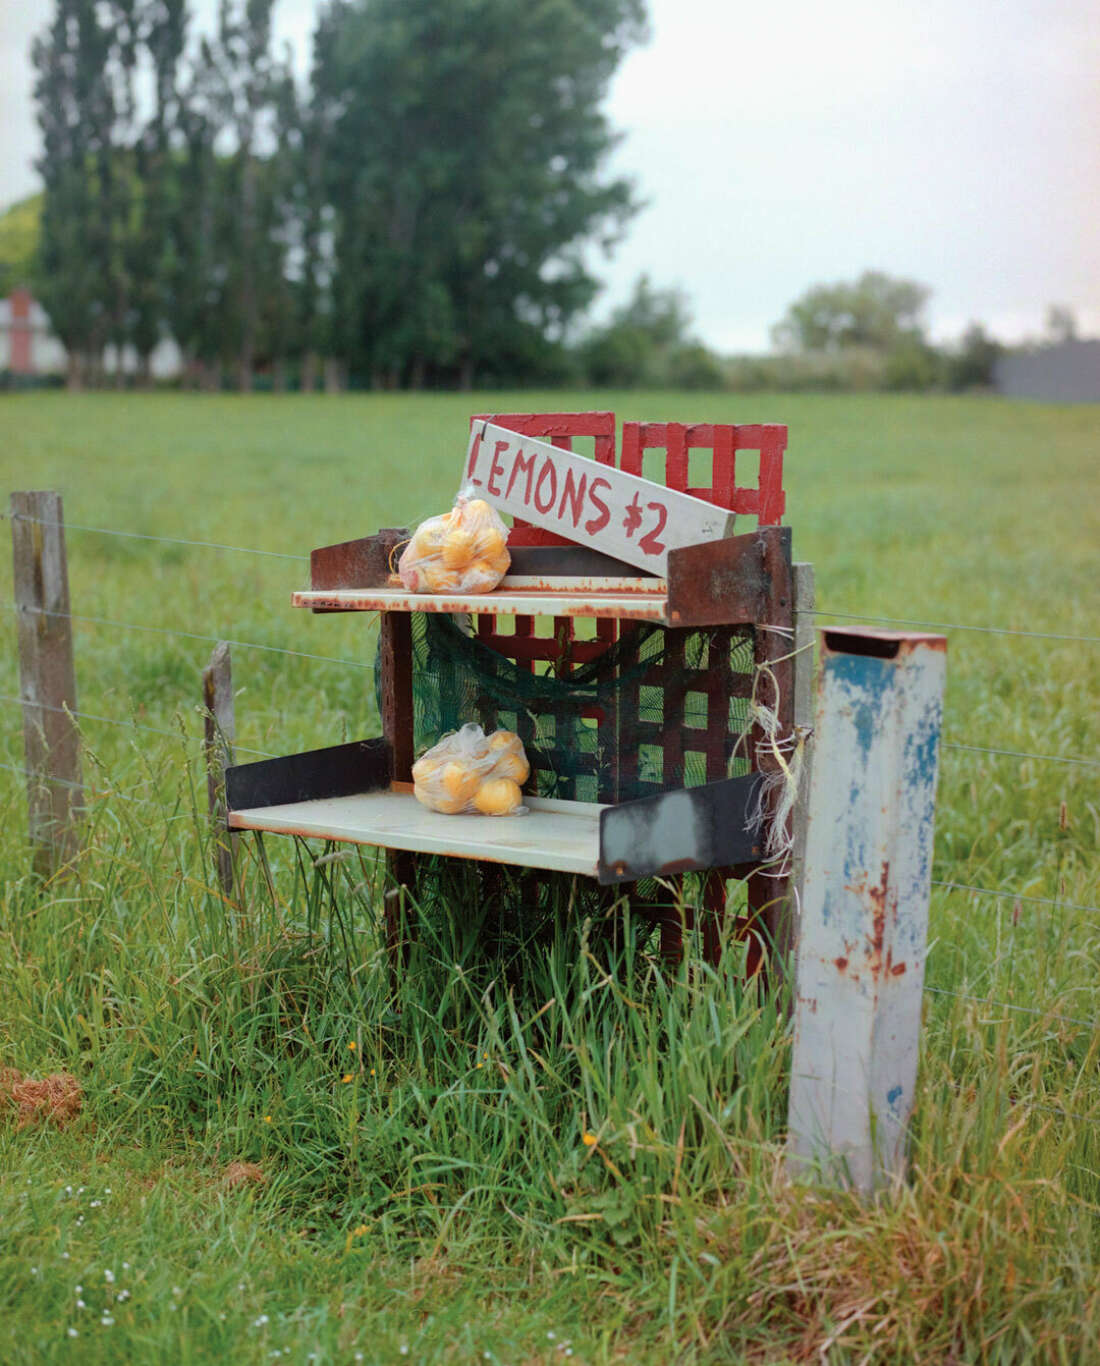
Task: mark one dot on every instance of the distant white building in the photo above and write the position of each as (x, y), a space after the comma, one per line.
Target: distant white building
(28, 346)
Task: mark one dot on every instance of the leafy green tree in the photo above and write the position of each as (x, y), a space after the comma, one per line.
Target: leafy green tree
(464, 150)
(76, 114)
(19, 231)
(971, 367)
(876, 311)
(1061, 323)
(157, 167)
(647, 343)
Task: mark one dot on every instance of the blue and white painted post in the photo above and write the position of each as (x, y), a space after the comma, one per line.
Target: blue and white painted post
(860, 965)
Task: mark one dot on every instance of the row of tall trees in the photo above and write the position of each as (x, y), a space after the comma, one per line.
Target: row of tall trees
(417, 213)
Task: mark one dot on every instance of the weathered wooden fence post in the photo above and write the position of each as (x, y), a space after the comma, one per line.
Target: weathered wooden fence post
(868, 868)
(220, 732)
(47, 679)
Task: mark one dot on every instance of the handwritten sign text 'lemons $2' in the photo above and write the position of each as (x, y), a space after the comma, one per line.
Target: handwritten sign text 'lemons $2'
(633, 519)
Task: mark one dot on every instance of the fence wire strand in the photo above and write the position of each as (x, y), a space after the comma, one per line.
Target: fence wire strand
(304, 559)
(1021, 754)
(1008, 1005)
(955, 626)
(188, 635)
(165, 540)
(126, 725)
(1016, 896)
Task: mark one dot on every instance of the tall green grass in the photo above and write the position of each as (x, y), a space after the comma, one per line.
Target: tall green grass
(533, 1144)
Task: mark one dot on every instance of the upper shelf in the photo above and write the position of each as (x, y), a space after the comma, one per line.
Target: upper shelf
(514, 597)
(734, 581)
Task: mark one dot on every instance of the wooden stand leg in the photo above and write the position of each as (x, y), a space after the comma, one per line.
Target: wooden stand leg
(714, 914)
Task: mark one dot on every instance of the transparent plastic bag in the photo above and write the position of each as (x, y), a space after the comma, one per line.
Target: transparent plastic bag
(469, 771)
(462, 551)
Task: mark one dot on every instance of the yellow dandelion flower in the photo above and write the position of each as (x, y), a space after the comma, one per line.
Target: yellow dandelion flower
(588, 1139)
(348, 1077)
(267, 1119)
(372, 1071)
(352, 1046)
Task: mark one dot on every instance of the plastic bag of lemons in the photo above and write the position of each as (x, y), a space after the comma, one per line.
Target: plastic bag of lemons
(463, 551)
(472, 771)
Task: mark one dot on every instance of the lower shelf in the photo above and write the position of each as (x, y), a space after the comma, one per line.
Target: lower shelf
(559, 835)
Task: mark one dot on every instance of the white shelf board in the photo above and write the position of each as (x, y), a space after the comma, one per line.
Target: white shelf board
(634, 605)
(555, 834)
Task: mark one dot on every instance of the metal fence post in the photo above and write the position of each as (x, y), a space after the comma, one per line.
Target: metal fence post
(860, 967)
(47, 678)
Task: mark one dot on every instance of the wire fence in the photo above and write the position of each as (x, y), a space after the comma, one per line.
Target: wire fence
(951, 745)
(304, 559)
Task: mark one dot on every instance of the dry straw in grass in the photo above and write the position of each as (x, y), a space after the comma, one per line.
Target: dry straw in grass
(243, 1174)
(56, 1099)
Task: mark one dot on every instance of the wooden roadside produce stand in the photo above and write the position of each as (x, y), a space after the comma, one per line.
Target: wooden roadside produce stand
(700, 635)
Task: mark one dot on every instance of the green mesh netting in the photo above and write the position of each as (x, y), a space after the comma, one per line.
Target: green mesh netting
(652, 712)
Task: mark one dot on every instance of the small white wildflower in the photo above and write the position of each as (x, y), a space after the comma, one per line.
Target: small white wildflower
(80, 1190)
(68, 1190)
(551, 1335)
(109, 1276)
(106, 1320)
(64, 1256)
(126, 1266)
(259, 1323)
(95, 1204)
(122, 1296)
(176, 1290)
(403, 1350)
(73, 1333)
(359, 1356)
(81, 1305)
(222, 1316)
(79, 1220)
(79, 1290)
(34, 1271)
(107, 1191)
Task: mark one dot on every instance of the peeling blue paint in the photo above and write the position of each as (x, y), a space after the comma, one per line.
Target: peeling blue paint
(893, 1096)
(868, 681)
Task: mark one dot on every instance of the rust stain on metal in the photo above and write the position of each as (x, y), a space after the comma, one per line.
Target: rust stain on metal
(896, 969)
(718, 582)
(875, 897)
(635, 605)
(841, 963)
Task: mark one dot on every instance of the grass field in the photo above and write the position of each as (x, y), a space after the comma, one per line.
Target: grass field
(419, 1183)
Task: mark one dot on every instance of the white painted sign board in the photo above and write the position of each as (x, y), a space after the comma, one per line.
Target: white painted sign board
(597, 505)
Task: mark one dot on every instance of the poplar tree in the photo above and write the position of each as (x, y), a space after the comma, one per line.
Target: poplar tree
(465, 152)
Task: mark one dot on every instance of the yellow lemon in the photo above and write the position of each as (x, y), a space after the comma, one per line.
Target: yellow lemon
(439, 580)
(498, 797)
(459, 782)
(490, 543)
(480, 577)
(457, 550)
(436, 801)
(501, 739)
(424, 768)
(513, 766)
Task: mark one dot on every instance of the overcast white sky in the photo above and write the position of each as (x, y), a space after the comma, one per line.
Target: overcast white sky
(784, 142)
